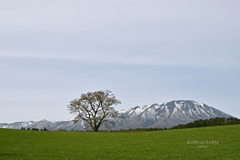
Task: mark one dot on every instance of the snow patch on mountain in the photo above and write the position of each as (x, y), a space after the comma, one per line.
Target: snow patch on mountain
(167, 115)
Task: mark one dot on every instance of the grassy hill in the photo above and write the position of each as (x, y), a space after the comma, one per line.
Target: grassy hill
(221, 142)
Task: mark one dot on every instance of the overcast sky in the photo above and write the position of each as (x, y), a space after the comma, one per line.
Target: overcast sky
(145, 52)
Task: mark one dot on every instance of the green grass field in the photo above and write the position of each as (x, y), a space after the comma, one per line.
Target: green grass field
(166, 144)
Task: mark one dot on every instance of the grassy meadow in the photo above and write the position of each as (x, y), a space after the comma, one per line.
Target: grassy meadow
(221, 142)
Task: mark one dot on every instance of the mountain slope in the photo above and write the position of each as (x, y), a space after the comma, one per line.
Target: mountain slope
(167, 115)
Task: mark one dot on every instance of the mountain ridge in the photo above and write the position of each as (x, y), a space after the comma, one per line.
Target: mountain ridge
(157, 115)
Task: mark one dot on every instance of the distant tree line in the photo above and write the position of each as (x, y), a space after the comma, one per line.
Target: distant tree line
(120, 130)
(218, 121)
(137, 130)
(35, 129)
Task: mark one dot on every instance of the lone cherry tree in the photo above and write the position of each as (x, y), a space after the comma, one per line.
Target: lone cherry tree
(95, 108)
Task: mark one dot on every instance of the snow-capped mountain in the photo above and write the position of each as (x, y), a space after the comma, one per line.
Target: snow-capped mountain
(57, 125)
(16, 125)
(164, 115)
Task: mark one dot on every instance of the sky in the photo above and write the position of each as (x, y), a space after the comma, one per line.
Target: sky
(145, 52)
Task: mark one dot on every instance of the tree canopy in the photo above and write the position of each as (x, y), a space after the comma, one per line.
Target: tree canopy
(95, 108)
